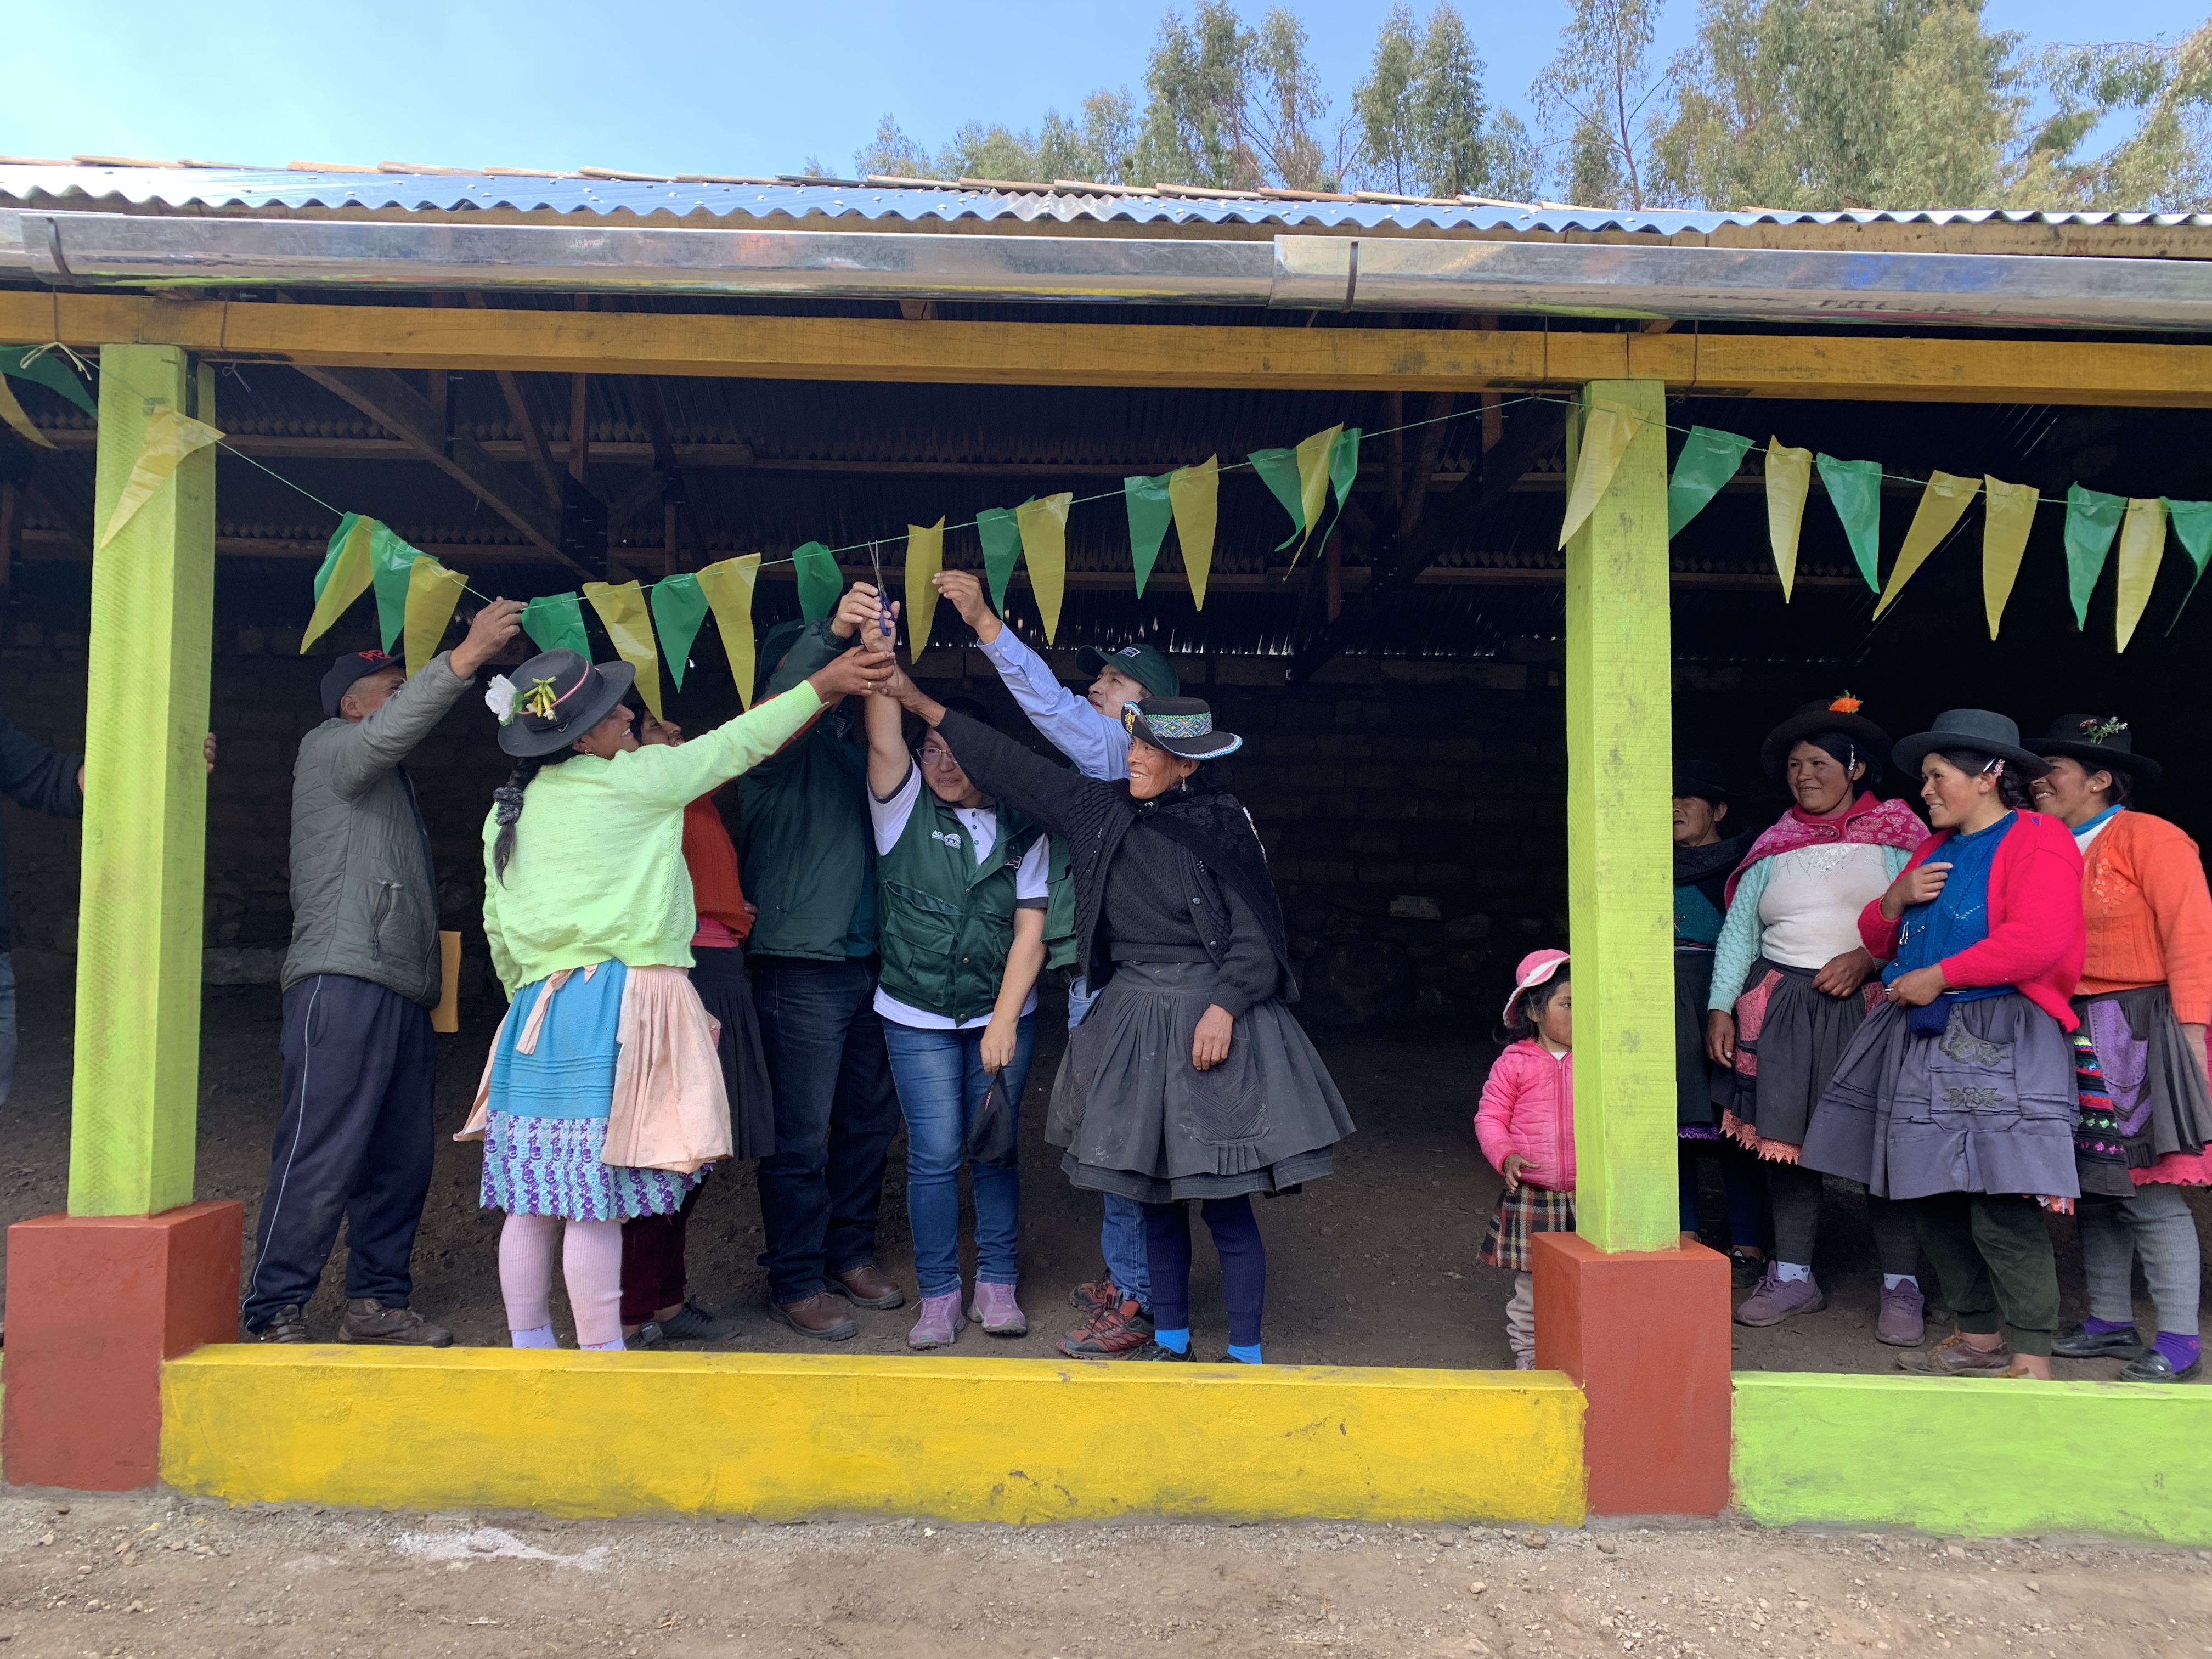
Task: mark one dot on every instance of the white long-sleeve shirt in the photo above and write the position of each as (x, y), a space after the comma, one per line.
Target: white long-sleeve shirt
(1097, 743)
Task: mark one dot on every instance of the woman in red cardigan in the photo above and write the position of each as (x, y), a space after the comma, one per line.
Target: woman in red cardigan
(1959, 1092)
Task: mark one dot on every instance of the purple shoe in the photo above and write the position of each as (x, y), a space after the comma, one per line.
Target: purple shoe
(996, 1310)
(940, 1322)
(1776, 1299)
(1903, 1321)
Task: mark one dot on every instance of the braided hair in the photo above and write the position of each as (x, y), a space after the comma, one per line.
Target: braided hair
(506, 804)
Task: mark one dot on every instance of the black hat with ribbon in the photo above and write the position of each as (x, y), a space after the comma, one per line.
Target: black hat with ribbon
(554, 699)
(1182, 725)
(1976, 729)
(2102, 743)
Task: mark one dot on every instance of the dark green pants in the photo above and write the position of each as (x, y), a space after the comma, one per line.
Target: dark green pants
(1992, 1253)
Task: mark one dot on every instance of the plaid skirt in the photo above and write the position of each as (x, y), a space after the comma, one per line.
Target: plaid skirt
(1519, 1213)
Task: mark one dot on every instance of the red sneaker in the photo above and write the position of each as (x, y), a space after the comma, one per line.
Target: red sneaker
(1099, 1294)
(1109, 1334)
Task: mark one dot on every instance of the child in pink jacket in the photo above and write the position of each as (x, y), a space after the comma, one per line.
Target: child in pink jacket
(1526, 1124)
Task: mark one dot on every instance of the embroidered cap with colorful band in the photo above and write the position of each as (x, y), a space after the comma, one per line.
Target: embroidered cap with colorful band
(1535, 968)
(1182, 725)
(338, 678)
(1822, 714)
(1150, 668)
(2102, 743)
(554, 699)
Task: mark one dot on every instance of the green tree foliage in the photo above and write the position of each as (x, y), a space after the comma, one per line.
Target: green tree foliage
(1229, 107)
(2164, 165)
(1814, 104)
(1425, 128)
(1595, 99)
(1092, 145)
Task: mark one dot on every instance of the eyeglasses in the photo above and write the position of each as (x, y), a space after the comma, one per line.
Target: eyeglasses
(935, 757)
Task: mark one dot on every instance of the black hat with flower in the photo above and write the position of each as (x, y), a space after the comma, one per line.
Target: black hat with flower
(553, 700)
(2102, 743)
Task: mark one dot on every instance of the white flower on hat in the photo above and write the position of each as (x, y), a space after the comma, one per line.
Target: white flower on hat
(499, 697)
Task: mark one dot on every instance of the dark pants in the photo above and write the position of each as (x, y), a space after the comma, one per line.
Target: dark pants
(1796, 1191)
(354, 1144)
(652, 1272)
(1236, 1240)
(836, 1113)
(1993, 1257)
(1741, 1179)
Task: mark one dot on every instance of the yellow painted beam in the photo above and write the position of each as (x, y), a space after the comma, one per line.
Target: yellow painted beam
(1124, 354)
(791, 1435)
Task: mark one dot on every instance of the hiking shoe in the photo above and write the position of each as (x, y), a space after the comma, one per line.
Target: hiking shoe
(1776, 1299)
(1153, 1350)
(1109, 1334)
(1102, 1292)
(2081, 1343)
(941, 1321)
(1903, 1320)
(866, 1287)
(693, 1323)
(1954, 1356)
(367, 1320)
(995, 1309)
(651, 1334)
(817, 1316)
(1746, 1267)
(289, 1325)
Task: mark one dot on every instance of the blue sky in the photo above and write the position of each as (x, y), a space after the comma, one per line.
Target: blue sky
(685, 86)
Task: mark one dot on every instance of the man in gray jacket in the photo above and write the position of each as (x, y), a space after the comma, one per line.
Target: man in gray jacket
(355, 1137)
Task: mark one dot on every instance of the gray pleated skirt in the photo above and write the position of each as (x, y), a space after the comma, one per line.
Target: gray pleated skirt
(1133, 1116)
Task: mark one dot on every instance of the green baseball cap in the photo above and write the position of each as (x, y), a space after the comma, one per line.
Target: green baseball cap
(1150, 668)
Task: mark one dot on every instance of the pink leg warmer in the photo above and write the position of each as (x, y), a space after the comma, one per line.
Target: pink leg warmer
(590, 1262)
(526, 1270)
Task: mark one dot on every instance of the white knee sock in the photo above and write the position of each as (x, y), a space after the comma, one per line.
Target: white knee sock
(526, 1274)
(591, 1262)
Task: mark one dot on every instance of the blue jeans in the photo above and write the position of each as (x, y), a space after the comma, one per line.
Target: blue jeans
(1121, 1234)
(835, 1113)
(941, 1082)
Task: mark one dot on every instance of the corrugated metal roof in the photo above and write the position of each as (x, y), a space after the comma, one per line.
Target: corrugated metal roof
(183, 188)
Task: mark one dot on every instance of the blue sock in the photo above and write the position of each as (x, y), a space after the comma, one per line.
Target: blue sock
(541, 1338)
(1250, 1356)
(1174, 1341)
(614, 1346)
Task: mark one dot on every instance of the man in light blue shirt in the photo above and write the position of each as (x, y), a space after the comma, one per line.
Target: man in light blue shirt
(1089, 732)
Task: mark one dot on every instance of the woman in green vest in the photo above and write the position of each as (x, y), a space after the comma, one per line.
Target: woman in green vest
(960, 906)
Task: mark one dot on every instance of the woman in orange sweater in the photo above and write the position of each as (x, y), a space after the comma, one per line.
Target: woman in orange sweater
(2144, 1000)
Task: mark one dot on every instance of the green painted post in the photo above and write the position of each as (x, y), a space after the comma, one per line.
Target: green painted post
(1619, 848)
(136, 1089)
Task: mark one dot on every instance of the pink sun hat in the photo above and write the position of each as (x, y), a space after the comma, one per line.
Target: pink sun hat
(1535, 968)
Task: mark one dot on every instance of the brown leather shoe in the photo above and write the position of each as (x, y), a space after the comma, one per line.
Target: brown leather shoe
(817, 1316)
(866, 1287)
(367, 1320)
(1956, 1356)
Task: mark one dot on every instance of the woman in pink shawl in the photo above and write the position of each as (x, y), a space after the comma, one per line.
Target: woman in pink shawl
(1792, 984)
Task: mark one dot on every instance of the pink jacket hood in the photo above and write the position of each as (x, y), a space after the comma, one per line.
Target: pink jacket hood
(1528, 1107)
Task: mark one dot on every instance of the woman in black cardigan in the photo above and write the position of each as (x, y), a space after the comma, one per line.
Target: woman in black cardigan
(1182, 937)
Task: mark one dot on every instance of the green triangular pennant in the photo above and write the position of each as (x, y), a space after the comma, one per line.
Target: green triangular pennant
(1709, 459)
(390, 559)
(1278, 470)
(336, 551)
(1855, 491)
(1343, 469)
(47, 369)
(819, 583)
(2192, 523)
(2092, 519)
(557, 624)
(678, 608)
(1150, 515)
(1002, 547)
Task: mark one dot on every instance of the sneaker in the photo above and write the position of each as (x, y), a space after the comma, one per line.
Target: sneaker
(651, 1334)
(940, 1324)
(367, 1320)
(289, 1325)
(1746, 1267)
(995, 1309)
(1109, 1334)
(2081, 1343)
(1903, 1320)
(1776, 1299)
(693, 1323)
(1954, 1356)
(1101, 1292)
(1153, 1350)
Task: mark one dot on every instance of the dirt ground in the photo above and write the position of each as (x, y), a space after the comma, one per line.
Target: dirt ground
(1374, 1265)
(119, 1577)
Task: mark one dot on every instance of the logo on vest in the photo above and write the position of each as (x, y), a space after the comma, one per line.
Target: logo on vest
(949, 837)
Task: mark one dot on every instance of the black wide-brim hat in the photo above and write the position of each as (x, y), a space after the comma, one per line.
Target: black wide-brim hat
(1694, 780)
(583, 695)
(1971, 728)
(1182, 725)
(2102, 743)
(1823, 714)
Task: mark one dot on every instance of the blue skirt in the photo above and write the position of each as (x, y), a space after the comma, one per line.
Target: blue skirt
(548, 1111)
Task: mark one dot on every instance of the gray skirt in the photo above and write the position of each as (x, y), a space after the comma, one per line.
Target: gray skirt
(1133, 1116)
(1988, 1107)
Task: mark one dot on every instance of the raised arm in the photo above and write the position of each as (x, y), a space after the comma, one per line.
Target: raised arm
(1097, 744)
(888, 761)
(366, 750)
(677, 776)
(998, 766)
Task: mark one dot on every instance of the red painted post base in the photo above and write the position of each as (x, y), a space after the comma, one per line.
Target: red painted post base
(1645, 1332)
(96, 1303)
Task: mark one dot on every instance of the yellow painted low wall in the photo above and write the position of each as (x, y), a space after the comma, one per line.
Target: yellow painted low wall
(788, 1435)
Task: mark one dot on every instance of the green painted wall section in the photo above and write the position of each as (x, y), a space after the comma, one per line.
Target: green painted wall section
(1977, 1458)
(135, 1101)
(1620, 842)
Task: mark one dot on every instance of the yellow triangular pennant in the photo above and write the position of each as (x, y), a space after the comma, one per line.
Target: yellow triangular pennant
(170, 438)
(2008, 515)
(1195, 494)
(349, 580)
(432, 591)
(1788, 478)
(1043, 524)
(2142, 545)
(1313, 481)
(1607, 430)
(622, 610)
(18, 420)
(1942, 505)
(925, 557)
(728, 585)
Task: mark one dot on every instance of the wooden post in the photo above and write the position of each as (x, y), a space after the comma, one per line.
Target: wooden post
(136, 1115)
(1620, 873)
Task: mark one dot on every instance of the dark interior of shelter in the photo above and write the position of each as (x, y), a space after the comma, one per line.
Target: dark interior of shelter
(1403, 761)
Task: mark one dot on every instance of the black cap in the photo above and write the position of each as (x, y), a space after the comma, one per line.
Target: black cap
(338, 678)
